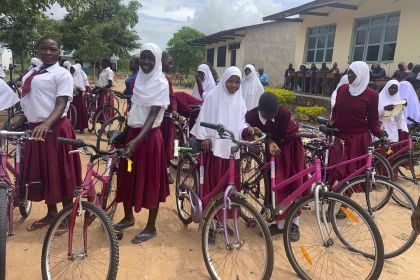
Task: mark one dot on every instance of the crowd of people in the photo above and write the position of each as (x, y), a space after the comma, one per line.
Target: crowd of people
(237, 101)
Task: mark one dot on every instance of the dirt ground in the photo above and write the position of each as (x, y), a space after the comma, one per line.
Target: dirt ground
(174, 254)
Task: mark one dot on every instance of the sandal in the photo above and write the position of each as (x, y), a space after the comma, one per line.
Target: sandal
(122, 226)
(143, 237)
(37, 225)
(274, 230)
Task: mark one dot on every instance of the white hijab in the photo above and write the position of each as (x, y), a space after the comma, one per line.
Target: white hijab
(393, 124)
(208, 82)
(151, 89)
(413, 105)
(344, 81)
(78, 77)
(8, 97)
(83, 74)
(361, 69)
(67, 64)
(2, 74)
(222, 107)
(252, 89)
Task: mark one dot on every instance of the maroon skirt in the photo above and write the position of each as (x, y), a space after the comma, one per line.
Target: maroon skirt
(52, 174)
(348, 146)
(147, 184)
(82, 114)
(290, 162)
(168, 133)
(106, 97)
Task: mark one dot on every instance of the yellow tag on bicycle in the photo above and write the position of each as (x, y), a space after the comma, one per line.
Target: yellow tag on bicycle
(129, 165)
(349, 214)
(389, 152)
(306, 255)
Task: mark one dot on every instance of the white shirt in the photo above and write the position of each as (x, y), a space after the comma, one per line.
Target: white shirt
(39, 102)
(138, 114)
(8, 97)
(263, 121)
(106, 75)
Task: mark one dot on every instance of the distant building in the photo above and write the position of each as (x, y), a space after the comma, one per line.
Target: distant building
(6, 57)
(375, 31)
(268, 45)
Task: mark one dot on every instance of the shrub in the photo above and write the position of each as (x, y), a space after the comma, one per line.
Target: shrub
(285, 96)
(310, 113)
(190, 81)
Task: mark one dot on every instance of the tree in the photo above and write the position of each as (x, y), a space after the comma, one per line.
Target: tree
(186, 57)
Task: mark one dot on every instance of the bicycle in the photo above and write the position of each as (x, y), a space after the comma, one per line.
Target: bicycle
(180, 81)
(219, 213)
(68, 249)
(182, 135)
(356, 237)
(12, 193)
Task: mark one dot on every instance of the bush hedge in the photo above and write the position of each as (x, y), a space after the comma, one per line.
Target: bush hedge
(310, 113)
(285, 96)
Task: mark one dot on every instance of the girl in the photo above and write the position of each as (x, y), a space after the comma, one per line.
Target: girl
(204, 81)
(344, 81)
(276, 122)
(7, 96)
(49, 171)
(395, 127)
(78, 99)
(134, 67)
(105, 82)
(224, 104)
(147, 184)
(355, 114)
(408, 93)
(252, 88)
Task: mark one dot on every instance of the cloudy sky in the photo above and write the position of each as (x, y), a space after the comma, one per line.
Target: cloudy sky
(159, 19)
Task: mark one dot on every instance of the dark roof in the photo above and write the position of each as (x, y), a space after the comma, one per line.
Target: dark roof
(229, 34)
(308, 9)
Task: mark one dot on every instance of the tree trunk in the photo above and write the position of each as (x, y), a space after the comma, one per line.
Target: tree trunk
(22, 68)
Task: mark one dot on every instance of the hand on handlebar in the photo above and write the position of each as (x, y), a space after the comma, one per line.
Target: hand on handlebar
(130, 147)
(206, 145)
(254, 131)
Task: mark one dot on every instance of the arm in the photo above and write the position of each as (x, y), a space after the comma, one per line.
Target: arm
(60, 105)
(132, 145)
(373, 115)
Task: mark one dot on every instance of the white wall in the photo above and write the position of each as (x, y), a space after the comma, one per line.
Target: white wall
(5, 57)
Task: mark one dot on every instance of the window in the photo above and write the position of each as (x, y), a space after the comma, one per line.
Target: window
(320, 44)
(221, 56)
(210, 56)
(233, 48)
(375, 38)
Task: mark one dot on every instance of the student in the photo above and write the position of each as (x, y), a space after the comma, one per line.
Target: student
(335, 69)
(8, 97)
(134, 67)
(344, 81)
(78, 99)
(147, 184)
(185, 102)
(204, 81)
(168, 126)
(377, 72)
(105, 81)
(355, 114)
(288, 80)
(224, 104)
(263, 77)
(276, 122)
(402, 72)
(395, 127)
(252, 88)
(49, 171)
(413, 105)
(324, 68)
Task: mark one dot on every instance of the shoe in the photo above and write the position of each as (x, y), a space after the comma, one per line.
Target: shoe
(294, 233)
(274, 230)
(170, 179)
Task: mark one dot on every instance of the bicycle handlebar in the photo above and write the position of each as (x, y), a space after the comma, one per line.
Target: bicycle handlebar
(225, 133)
(79, 143)
(414, 122)
(306, 135)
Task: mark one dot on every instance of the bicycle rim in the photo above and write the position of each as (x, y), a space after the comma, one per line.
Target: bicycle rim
(354, 250)
(407, 175)
(185, 176)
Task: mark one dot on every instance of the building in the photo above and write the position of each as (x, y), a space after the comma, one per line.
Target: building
(6, 57)
(268, 45)
(375, 31)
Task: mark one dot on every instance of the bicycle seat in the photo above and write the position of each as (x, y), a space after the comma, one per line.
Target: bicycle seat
(322, 120)
(115, 137)
(329, 131)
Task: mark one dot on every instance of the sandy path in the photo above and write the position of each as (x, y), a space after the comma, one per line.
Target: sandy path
(174, 254)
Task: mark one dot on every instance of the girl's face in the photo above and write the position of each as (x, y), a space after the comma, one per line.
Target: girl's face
(201, 75)
(393, 90)
(147, 61)
(233, 84)
(72, 70)
(352, 76)
(48, 51)
(247, 71)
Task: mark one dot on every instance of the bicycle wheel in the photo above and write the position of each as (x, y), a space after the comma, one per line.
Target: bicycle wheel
(407, 175)
(186, 175)
(25, 205)
(110, 195)
(393, 220)
(116, 123)
(183, 83)
(381, 165)
(178, 135)
(72, 115)
(4, 197)
(94, 252)
(354, 248)
(102, 116)
(248, 257)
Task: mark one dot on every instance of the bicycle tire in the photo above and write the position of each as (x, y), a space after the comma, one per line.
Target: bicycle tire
(393, 188)
(25, 206)
(406, 179)
(109, 200)
(4, 222)
(107, 226)
(264, 234)
(102, 135)
(183, 214)
(100, 113)
(381, 165)
(378, 258)
(183, 83)
(72, 115)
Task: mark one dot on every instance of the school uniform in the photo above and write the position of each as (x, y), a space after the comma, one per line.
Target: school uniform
(80, 84)
(168, 126)
(252, 88)
(147, 184)
(291, 160)
(355, 114)
(184, 102)
(206, 85)
(8, 97)
(103, 80)
(229, 110)
(52, 174)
